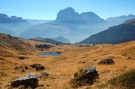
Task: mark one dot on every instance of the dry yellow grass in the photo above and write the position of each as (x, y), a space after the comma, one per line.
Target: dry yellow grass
(62, 68)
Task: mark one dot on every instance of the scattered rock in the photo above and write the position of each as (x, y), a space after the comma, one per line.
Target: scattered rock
(59, 52)
(89, 69)
(106, 61)
(41, 85)
(21, 57)
(26, 67)
(3, 74)
(18, 67)
(29, 80)
(22, 68)
(2, 59)
(43, 74)
(87, 76)
(38, 67)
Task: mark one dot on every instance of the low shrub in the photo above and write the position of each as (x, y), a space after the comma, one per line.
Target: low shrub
(85, 76)
(124, 81)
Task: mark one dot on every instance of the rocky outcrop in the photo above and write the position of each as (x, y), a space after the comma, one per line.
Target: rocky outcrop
(69, 15)
(87, 76)
(30, 80)
(92, 18)
(106, 61)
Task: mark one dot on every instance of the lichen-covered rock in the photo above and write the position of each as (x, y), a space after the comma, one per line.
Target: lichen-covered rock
(30, 80)
(87, 76)
(43, 74)
(106, 61)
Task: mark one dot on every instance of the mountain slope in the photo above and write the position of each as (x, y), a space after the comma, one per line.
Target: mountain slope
(13, 46)
(43, 30)
(113, 35)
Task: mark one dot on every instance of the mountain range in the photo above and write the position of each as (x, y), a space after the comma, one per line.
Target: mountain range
(13, 19)
(68, 23)
(113, 35)
(73, 25)
(119, 19)
(68, 15)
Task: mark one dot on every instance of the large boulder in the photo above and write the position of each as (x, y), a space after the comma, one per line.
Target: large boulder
(87, 76)
(106, 61)
(29, 80)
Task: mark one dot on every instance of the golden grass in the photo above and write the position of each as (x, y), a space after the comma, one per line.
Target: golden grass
(62, 68)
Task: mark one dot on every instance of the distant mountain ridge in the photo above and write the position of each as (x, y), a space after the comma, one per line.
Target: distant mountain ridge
(47, 40)
(12, 25)
(13, 19)
(61, 39)
(120, 19)
(113, 35)
(68, 15)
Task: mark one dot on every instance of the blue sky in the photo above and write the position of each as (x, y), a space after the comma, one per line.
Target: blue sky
(48, 9)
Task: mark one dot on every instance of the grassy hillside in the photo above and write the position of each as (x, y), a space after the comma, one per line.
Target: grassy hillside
(13, 46)
(61, 69)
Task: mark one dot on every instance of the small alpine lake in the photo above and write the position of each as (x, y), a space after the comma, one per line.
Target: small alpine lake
(50, 54)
